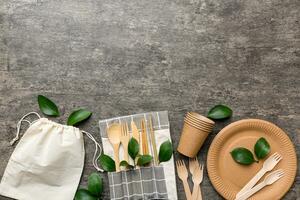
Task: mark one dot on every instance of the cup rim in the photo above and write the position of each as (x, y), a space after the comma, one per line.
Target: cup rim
(198, 127)
(201, 117)
(201, 124)
(198, 121)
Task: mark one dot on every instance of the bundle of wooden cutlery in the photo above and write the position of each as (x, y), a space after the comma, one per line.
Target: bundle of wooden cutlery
(196, 169)
(249, 189)
(119, 134)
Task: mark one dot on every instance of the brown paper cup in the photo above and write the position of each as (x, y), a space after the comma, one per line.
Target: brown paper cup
(191, 140)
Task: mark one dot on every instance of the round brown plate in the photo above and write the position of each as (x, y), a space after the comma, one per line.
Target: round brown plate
(228, 177)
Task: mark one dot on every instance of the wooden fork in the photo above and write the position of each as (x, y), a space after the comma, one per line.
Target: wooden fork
(183, 175)
(125, 140)
(193, 164)
(197, 179)
(268, 165)
(269, 180)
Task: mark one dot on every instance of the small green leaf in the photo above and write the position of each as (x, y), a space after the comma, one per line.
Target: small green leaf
(83, 194)
(261, 148)
(107, 163)
(144, 160)
(47, 106)
(165, 151)
(95, 184)
(133, 148)
(124, 163)
(78, 116)
(242, 156)
(219, 112)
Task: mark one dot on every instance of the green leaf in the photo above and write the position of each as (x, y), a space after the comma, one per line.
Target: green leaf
(219, 112)
(107, 163)
(78, 116)
(144, 160)
(242, 156)
(165, 151)
(133, 148)
(84, 194)
(261, 148)
(124, 163)
(95, 184)
(47, 106)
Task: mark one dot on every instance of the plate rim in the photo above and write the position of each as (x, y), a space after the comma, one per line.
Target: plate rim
(215, 180)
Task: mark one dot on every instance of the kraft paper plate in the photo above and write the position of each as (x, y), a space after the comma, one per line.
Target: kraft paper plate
(228, 177)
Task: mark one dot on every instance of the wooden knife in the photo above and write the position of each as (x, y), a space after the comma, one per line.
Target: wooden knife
(135, 132)
(136, 135)
(153, 141)
(144, 138)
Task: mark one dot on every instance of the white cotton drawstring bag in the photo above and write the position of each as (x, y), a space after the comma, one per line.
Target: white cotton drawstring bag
(47, 163)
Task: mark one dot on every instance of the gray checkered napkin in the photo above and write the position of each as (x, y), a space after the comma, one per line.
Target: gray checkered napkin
(143, 183)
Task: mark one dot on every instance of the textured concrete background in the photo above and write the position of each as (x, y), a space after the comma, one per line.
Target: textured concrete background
(119, 57)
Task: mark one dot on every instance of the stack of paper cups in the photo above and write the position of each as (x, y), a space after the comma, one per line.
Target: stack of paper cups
(195, 130)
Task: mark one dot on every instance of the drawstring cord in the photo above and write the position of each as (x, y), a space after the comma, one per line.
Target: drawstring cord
(19, 126)
(97, 148)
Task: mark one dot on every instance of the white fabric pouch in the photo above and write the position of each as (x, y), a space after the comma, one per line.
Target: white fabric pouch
(47, 163)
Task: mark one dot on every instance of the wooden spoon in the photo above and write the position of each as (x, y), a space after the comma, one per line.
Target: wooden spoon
(114, 135)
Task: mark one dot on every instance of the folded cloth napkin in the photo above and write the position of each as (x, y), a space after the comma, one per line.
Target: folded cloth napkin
(154, 182)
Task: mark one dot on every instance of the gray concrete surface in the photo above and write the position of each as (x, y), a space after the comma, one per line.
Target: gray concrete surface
(118, 57)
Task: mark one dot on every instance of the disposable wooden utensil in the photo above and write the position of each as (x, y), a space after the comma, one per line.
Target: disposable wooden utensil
(197, 179)
(136, 135)
(268, 165)
(144, 138)
(124, 140)
(183, 175)
(153, 141)
(114, 135)
(135, 131)
(193, 164)
(269, 179)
